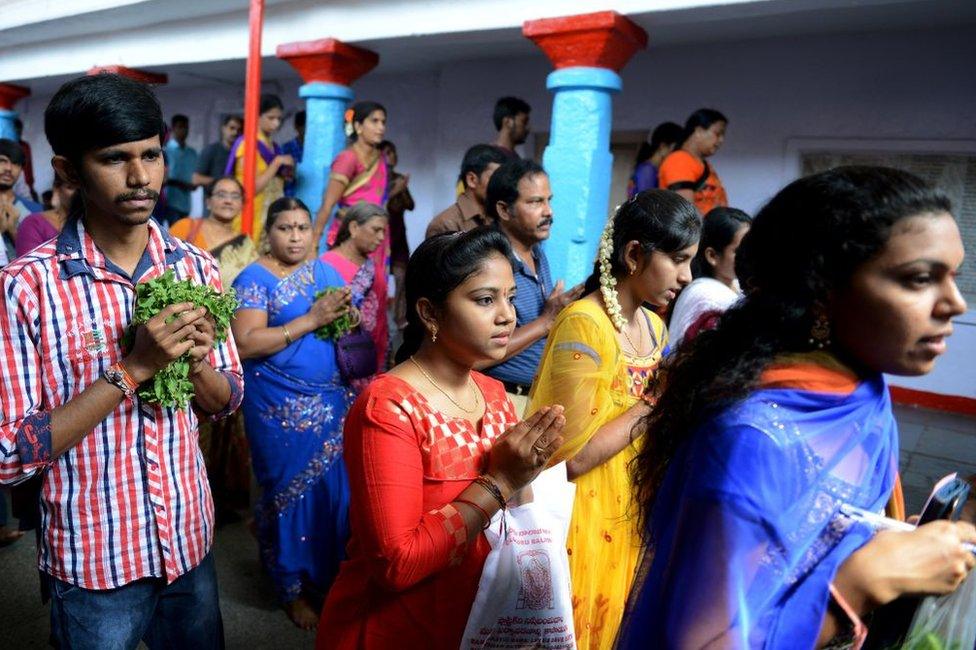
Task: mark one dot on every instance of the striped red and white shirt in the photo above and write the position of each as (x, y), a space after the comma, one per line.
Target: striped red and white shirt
(131, 500)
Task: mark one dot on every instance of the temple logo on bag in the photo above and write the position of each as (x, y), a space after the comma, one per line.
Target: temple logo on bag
(524, 598)
(535, 588)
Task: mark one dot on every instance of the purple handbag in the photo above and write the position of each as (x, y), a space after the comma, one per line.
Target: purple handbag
(356, 354)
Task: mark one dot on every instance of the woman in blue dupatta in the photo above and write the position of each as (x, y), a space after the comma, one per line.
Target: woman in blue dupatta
(770, 423)
(294, 406)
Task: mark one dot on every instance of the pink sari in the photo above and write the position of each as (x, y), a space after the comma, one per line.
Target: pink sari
(369, 290)
(362, 183)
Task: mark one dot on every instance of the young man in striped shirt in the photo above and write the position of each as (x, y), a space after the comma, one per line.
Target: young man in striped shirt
(126, 512)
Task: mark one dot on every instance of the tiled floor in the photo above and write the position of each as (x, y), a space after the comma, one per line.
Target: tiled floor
(932, 445)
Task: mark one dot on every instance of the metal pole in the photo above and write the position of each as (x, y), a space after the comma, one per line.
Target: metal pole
(252, 97)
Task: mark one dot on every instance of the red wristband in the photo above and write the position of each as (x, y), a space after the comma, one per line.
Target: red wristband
(130, 382)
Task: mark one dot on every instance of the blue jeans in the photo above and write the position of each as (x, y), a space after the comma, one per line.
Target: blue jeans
(3, 507)
(184, 614)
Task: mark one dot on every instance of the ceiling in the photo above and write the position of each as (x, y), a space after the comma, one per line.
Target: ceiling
(675, 27)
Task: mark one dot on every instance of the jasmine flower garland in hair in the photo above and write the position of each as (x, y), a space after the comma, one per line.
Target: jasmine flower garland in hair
(608, 283)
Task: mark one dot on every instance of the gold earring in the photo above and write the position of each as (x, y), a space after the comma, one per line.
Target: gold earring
(433, 335)
(820, 332)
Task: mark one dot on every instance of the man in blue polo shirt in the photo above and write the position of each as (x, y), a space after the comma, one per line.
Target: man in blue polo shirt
(519, 201)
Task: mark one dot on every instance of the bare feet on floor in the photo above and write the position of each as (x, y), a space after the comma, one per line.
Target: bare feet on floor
(9, 536)
(302, 614)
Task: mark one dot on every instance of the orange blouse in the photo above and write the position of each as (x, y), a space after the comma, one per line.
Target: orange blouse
(411, 576)
(680, 170)
(187, 227)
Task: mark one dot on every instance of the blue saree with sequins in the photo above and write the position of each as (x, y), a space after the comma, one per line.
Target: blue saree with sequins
(294, 405)
(746, 533)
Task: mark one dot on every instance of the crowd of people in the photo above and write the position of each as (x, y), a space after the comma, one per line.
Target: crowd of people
(713, 391)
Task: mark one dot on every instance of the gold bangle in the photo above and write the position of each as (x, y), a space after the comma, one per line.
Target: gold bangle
(288, 339)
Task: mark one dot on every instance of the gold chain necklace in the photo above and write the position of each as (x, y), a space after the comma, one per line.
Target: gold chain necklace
(637, 351)
(283, 271)
(446, 394)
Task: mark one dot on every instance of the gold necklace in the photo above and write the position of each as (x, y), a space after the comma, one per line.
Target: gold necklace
(631, 341)
(282, 270)
(446, 394)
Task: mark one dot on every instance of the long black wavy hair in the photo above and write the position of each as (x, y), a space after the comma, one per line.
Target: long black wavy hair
(438, 267)
(804, 244)
(660, 220)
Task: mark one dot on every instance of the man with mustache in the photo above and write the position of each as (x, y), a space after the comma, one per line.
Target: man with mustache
(13, 209)
(127, 515)
(519, 201)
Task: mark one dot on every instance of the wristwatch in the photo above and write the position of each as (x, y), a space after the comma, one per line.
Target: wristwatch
(118, 377)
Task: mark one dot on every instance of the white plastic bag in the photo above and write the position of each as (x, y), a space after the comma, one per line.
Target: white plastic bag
(524, 598)
(946, 622)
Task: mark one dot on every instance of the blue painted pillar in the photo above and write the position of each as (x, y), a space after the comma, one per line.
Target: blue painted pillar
(10, 94)
(587, 50)
(325, 107)
(329, 67)
(579, 164)
(7, 130)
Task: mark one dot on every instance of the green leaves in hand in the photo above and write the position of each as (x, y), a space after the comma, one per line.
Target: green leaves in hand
(338, 327)
(171, 386)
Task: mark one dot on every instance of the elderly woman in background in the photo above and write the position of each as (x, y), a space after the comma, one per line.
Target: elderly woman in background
(363, 230)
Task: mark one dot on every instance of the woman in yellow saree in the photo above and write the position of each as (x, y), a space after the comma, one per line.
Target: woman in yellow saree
(600, 361)
(272, 165)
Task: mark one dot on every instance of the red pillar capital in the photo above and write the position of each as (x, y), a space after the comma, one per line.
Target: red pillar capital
(10, 94)
(604, 39)
(154, 78)
(328, 60)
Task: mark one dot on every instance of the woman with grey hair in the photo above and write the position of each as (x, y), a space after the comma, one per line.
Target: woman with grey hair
(362, 231)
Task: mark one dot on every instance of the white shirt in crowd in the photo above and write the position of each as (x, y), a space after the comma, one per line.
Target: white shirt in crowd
(702, 295)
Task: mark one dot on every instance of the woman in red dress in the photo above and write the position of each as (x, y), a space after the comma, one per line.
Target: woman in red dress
(433, 450)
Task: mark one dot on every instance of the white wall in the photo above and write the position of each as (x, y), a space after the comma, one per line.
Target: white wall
(876, 86)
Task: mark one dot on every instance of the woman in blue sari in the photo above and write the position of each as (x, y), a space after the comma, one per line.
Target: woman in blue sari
(773, 421)
(294, 405)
